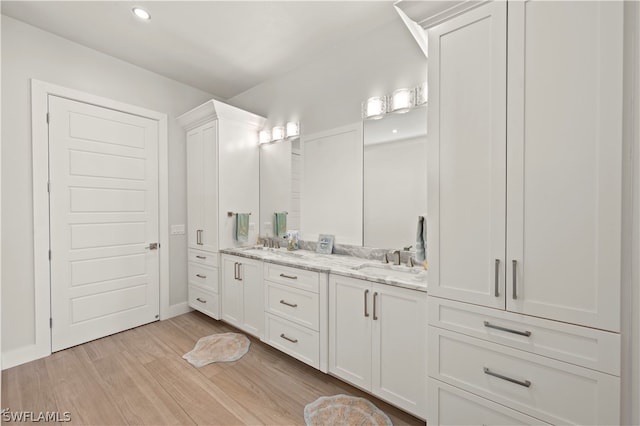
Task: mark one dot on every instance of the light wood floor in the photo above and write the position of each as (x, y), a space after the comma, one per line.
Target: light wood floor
(139, 377)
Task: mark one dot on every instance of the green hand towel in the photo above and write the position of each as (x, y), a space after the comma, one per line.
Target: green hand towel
(280, 224)
(242, 227)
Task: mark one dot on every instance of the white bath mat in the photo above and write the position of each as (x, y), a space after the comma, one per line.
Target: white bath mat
(224, 347)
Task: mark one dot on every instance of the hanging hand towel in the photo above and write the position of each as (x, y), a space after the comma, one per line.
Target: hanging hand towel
(280, 224)
(242, 227)
(421, 238)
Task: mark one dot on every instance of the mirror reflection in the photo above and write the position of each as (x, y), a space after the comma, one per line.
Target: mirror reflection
(395, 178)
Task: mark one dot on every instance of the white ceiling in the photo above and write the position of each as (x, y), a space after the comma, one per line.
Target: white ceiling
(221, 47)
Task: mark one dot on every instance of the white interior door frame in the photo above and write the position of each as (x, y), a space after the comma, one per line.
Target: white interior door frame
(40, 92)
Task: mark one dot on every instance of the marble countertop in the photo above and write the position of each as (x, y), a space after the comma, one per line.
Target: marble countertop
(371, 270)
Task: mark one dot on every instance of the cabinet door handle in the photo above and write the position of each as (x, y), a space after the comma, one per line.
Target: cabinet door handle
(201, 276)
(375, 296)
(366, 310)
(508, 330)
(201, 300)
(291, 277)
(239, 271)
(199, 237)
(292, 340)
(201, 257)
(525, 383)
(496, 291)
(235, 270)
(514, 277)
(293, 305)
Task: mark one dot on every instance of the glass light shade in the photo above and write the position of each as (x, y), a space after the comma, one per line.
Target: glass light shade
(422, 94)
(277, 133)
(374, 108)
(402, 100)
(264, 136)
(293, 129)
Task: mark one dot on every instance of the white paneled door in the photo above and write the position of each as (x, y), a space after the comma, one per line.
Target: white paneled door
(103, 171)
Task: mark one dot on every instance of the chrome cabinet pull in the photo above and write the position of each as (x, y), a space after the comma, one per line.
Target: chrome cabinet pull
(239, 271)
(201, 300)
(285, 337)
(496, 291)
(199, 237)
(508, 330)
(201, 276)
(525, 383)
(375, 295)
(366, 310)
(235, 270)
(514, 265)
(291, 277)
(201, 257)
(293, 305)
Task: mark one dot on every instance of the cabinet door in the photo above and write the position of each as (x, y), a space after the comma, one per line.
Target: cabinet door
(466, 157)
(565, 157)
(209, 187)
(253, 296)
(350, 312)
(195, 189)
(232, 291)
(400, 347)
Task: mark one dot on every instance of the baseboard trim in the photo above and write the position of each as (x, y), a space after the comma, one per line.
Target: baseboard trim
(178, 309)
(23, 355)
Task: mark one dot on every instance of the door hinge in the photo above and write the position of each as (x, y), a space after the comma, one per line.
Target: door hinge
(47, 118)
(50, 322)
(49, 186)
(49, 254)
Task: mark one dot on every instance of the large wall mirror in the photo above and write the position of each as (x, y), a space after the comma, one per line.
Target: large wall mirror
(395, 178)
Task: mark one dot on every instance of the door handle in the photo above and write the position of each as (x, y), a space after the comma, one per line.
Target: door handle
(496, 291)
(199, 237)
(153, 246)
(235, 270)
(514, 277)
(366, 311)
(239, 272)
(375, 296)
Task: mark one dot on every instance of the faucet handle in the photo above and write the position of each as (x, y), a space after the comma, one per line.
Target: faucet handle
(407, 248)
(385, 258)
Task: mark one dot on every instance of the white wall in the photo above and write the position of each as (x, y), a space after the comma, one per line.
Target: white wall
(28, 52)
(327, 92)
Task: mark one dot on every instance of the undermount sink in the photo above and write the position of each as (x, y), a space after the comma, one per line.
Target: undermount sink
(391, 271)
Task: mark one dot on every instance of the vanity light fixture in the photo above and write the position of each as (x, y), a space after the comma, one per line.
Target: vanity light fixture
(293, 129)
(374, 108)
(264, 136)
(141, 13)
(402, 100)
(277, 133)
(422, 94)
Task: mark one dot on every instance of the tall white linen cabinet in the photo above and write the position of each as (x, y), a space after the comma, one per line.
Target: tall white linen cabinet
(525, 187)
(223, 178)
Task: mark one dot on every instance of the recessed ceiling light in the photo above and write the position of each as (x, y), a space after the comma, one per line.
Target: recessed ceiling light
(141, 13)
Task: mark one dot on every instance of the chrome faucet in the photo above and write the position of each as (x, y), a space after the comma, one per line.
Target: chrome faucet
(396, 261)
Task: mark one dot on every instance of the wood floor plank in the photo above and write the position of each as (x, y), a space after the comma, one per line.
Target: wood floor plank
(139, 377)
(137, 394)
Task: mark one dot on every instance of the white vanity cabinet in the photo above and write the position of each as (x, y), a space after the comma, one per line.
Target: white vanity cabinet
(295, 313)
(524, 212)
(243, 294)
(222, 176)
(378, 340)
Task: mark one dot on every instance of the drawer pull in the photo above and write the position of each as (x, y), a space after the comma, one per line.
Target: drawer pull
(285, 337)
(496, 292)
(525, 383)
(366, 310)
(201, 276)
(291, 277)
(293, 305)
(201, 300)
(508, 330)
(201, 257)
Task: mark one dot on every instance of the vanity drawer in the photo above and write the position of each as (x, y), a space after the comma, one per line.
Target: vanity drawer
(204, 276)
(204, 301)
(203, 258)
(297, 341)
(544, 388)
(587, 347)
(294, 277)
(299, 306)
(449, 405)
